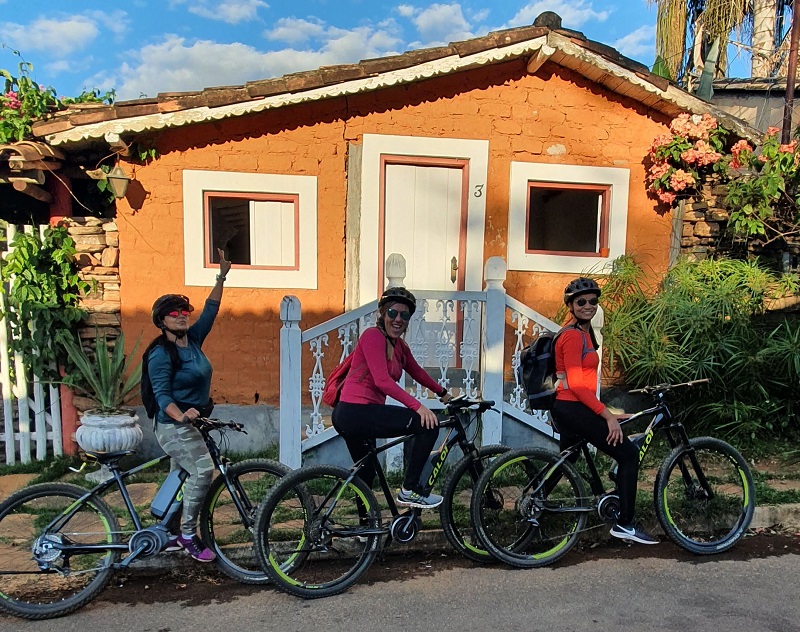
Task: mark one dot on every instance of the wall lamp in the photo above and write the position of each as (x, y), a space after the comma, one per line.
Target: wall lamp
(118, 181)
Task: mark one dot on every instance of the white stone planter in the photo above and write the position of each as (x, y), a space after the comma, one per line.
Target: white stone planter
(108, 433)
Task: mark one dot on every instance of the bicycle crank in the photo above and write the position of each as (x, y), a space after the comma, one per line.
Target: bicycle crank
(405, 527)
(608, 507)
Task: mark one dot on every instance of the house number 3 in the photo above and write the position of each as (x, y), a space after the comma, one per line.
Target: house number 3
(478, 190)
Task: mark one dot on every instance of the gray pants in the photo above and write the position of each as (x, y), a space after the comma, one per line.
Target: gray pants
(185, 445)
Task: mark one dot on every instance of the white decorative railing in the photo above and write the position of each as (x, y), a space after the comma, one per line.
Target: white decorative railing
(459, 337)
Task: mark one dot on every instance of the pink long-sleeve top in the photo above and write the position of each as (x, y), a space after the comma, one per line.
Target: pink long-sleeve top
(372, 377)
(581, 371)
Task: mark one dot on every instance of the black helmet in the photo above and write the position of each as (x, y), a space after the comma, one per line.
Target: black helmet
(579, 286)
(398, 295)
(167, 303)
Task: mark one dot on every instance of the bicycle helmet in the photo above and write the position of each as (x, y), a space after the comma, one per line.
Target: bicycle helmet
(579, 286)
(165, 304)
(398, 295)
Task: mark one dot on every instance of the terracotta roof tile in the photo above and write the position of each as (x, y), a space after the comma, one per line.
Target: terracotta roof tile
(78, 117)
(299, 81)
(331, 75)
(51, 126)
(214, 97)
(340, 74)
(266, 87)
(126, 109)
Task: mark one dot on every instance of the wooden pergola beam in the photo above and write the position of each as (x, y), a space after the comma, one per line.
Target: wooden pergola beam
(36, 192)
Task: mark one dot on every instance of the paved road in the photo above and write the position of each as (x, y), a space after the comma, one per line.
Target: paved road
(612, 587)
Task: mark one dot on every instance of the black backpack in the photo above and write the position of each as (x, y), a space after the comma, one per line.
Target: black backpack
(148, 396)
(537, 369)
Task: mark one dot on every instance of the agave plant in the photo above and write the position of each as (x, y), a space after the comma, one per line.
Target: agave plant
(109, 378)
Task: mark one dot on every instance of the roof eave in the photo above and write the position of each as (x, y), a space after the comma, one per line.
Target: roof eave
(630, 79)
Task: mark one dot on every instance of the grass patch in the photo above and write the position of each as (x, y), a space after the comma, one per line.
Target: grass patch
(766, 495)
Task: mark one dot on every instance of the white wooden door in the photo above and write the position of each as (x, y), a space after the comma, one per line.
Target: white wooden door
(424, 215)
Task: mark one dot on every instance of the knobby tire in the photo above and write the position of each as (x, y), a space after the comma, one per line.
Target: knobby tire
(315, 535)
(222, 526)
(541, 512)
(695, 520)
(26, 590)
(454, 512)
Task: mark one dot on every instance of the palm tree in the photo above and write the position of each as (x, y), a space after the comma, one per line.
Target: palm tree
(685, 28)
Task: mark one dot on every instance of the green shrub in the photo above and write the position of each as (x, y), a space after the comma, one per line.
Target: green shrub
(708, 319)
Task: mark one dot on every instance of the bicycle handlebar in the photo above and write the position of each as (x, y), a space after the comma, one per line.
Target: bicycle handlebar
(663, 388)
(460, 403)
(207, 424)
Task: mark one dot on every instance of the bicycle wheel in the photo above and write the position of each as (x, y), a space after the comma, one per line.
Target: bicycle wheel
(538, 508)
(227, 531)
(704, 496)
(317, 533)
(457, 493)
(37, 580)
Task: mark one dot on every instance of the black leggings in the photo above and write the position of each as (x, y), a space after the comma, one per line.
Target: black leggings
(361, 424)
(575, 422)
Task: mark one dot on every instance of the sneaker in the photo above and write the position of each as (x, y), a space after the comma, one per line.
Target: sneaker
(172, 544)
(413, 499)
(194, 547)
(632, 533)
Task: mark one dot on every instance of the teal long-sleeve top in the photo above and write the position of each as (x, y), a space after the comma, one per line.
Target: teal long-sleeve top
(191, 384)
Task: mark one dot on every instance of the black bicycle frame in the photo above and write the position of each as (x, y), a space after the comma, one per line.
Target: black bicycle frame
(118, 479)
(662, 421)
(456, 435)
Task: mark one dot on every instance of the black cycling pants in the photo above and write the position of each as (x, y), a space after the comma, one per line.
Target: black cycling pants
(361, 424)
(574, 421)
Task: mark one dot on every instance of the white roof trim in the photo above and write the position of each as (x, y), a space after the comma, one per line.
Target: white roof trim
(425, 70)
(550, 42)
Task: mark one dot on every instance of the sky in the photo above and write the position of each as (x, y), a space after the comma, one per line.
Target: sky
(142, 47)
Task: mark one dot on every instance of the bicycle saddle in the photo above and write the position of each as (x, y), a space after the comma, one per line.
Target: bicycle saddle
(106, 458)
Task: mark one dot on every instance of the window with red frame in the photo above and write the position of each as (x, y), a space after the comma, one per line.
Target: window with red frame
(255, 230)
(567, 219)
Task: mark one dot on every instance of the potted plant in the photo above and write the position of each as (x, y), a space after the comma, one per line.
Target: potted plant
(109, 379)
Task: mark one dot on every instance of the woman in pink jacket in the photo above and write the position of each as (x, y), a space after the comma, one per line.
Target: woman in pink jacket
(362, 415)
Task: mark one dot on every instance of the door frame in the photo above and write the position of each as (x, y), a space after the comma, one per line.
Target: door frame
(368, 241)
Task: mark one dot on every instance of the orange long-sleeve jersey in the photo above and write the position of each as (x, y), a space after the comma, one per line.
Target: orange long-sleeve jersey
(580, 370)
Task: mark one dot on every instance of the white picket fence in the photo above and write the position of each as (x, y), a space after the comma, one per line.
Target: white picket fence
(471, 341)
(31, 426)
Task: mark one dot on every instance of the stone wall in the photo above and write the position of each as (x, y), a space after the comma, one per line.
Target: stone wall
(704, 224)
(704, 221)
(97, 243)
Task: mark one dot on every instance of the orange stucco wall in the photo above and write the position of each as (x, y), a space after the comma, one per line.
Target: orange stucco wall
(521, 115)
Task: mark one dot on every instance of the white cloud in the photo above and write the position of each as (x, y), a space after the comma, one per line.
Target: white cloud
(230, 11)
(574, 13)
(55, 35)
(115, 21)
(177, 65)
(294, 30)
(642, 41)
(442, 23)
(406, 10)
(479, 16)
(59, 67)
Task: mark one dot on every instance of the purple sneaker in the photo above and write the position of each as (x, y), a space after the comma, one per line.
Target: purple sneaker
(172, 544)
(194, 547)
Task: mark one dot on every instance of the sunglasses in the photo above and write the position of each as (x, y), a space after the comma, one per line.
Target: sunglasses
(179, 312)
(582, 301)
(393, 313)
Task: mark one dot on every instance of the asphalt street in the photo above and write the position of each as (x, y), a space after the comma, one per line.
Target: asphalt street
(609, 588)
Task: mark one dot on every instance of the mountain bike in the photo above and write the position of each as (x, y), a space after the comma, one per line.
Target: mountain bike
(60, 544)
(320, 528)
(703, 493)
